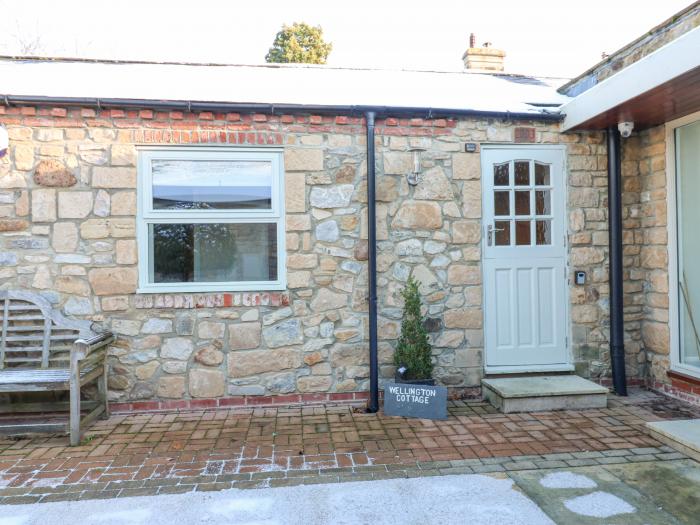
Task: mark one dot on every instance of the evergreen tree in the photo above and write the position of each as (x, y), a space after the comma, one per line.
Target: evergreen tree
(299, 43)
(413, 350)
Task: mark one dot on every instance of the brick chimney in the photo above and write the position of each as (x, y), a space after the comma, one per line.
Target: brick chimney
(484, 58)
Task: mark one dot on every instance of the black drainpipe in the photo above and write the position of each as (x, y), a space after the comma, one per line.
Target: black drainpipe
(373, 404)
(617, 330)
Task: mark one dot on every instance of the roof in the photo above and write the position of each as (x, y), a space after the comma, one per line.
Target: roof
(670, 29)
(277, 84)
(658, 88)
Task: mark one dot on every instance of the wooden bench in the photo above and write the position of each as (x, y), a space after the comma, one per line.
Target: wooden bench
(43, 351)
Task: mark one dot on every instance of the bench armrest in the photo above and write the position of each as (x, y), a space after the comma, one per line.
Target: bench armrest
(83, 347)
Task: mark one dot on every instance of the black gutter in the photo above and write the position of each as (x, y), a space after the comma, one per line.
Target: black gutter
(224, 107)
(617, 330)
(373, 404)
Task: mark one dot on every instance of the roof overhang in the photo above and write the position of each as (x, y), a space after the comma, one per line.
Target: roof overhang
(660, 87)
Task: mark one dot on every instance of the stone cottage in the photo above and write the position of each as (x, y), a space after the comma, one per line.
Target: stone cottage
(220, 227)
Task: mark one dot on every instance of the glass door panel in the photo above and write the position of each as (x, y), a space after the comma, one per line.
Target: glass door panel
(688, 193)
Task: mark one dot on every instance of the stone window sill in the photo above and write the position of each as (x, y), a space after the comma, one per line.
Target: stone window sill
(210, 300)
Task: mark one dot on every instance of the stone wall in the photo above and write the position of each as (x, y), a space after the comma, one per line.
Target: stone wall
(67, 213)
(644, 168)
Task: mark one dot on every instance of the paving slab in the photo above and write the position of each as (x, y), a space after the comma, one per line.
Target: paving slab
(681, 434)
(591, 496)
(673, 486)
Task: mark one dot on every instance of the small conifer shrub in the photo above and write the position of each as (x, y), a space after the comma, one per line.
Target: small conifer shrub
(413, 350)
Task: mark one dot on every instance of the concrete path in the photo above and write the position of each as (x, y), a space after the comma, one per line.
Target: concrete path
(445, 499)
(643, 493)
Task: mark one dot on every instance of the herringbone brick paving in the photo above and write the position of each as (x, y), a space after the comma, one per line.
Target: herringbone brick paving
(160, 450)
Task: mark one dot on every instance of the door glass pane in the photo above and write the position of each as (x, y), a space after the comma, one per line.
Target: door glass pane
(211, 184)
(522, 202)
(522, 233)
(522, 173)
(501, 201)
(688, 191)
(543, 202)
(502, 233)
(542, 174)
(501, 174)
(543, 232)
(211, 253)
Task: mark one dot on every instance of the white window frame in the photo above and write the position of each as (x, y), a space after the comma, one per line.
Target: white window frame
(146, 215)
(672, 221)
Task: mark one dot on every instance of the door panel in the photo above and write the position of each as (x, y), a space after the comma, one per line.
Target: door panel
(524, 259)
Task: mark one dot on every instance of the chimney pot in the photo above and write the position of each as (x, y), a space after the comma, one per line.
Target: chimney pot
(485, 58)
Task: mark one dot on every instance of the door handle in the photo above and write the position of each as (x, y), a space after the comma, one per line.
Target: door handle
(489, 233)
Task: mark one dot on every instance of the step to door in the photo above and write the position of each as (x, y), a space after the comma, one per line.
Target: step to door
(682, 435)
(539, 393)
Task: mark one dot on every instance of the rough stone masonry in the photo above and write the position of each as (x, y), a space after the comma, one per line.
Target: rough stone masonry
(67, 216)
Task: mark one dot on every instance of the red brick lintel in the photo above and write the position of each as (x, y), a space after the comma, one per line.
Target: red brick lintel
(212, 300)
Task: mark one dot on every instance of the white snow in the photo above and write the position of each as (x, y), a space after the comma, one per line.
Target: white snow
(567, 480)
(278, 84)
(14, 520)
(446, 499)
(123, 516)
(599, 505)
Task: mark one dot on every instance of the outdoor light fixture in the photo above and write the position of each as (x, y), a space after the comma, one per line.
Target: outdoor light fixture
(413, 178)
(4, 141)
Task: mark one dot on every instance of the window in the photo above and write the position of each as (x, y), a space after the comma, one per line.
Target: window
(528, 222)
(687, 140)
(210, 219)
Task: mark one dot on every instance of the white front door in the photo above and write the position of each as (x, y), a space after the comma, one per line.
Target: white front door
(525, 287)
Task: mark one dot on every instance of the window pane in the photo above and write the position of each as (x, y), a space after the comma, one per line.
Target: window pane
(543, 232)
(502, 231)
(522, 172)
(500, 174)
(522, 233)
(543, 202)
(522, 202)
(541, 174)
(502, 202)
(211, 253)
(211, 184)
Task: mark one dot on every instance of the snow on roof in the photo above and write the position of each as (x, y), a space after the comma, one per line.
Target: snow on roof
(278, 84)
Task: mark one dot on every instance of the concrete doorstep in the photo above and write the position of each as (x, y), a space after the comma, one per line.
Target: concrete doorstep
(541, 393)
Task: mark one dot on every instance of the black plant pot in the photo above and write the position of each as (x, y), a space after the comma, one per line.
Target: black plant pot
(399, 378)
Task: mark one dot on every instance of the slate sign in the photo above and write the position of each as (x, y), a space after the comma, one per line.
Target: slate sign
(422, 401)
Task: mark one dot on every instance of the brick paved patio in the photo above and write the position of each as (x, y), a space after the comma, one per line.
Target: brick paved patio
(153, 453)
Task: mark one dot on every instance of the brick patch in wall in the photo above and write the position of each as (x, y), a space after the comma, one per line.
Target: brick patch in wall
(320, 398)
(240, 401)
(523, 134)
(678, 389)
(217, 300)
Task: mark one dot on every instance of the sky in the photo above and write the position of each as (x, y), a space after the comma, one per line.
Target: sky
(555, 38)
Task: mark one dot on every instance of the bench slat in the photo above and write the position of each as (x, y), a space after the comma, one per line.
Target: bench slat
(27, 307)
(16, 338)
(25, 328)
(25, 317)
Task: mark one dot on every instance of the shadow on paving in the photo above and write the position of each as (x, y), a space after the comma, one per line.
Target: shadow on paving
(663, 493)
